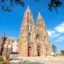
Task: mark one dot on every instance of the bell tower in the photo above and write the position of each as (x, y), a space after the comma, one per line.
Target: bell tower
(42, 38)
(27, 45)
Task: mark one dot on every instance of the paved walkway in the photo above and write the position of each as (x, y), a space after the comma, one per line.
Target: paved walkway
(40, 60)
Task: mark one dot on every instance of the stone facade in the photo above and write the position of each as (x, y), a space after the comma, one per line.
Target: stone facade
(34, 40)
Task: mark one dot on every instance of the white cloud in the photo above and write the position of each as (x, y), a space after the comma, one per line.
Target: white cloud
(52, 33)
(60, 28)
(57, 31)
(60, 39)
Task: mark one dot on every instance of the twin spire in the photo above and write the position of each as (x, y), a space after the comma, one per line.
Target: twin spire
(39, 20)
(28, 11)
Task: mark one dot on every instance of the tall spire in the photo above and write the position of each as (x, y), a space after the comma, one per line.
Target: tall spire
(28, 17)
(27, 35)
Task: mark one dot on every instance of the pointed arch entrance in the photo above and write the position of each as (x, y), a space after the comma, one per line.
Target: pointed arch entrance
(29, 50)
(38, 50)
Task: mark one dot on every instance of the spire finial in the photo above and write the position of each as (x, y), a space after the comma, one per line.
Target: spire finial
(40, 19)
(39, 16)
(28, 9)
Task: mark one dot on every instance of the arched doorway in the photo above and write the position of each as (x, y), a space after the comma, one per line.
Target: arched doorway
(38, 50)
(29, 51)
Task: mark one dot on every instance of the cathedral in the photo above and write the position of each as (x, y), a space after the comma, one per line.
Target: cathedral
(34, 39)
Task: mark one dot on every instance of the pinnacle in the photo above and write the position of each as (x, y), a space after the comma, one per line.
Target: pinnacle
(28, 9)
(39, 16)
(40, 20)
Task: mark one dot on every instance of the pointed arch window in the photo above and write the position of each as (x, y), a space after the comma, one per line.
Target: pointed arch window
(37, 36)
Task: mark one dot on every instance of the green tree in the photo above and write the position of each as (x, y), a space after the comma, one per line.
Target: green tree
(54, 4)
(8, 5)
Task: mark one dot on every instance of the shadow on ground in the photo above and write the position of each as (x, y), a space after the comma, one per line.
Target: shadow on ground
(31, 63)
(27, 63)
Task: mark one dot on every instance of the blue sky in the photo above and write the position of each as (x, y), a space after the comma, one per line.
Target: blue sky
(10, 22)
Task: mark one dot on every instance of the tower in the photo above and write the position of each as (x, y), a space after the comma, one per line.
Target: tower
(27, 45)
(42, 38)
